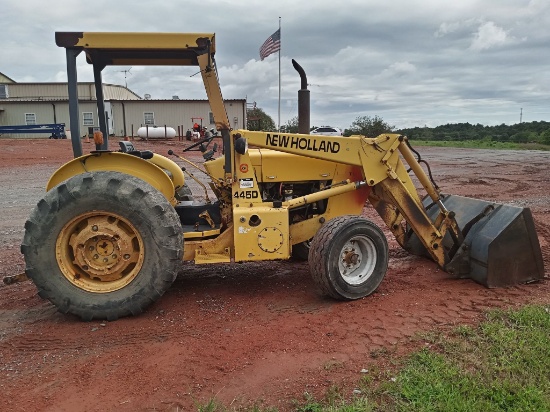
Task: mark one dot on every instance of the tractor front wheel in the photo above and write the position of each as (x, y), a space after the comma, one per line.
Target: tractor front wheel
(348, 257)
(103, 245)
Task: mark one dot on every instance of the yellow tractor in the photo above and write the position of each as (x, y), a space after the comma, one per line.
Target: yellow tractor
(109, 235)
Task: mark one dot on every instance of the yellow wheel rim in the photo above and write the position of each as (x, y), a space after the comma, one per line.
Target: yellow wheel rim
(99, 252)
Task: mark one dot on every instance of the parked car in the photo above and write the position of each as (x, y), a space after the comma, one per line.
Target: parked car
(327, 131)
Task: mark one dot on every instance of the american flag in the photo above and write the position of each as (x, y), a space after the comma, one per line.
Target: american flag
(271, 45)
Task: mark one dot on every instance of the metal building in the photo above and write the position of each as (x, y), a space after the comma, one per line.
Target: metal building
(48, 103)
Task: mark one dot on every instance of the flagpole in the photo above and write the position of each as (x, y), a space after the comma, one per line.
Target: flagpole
(279, 106)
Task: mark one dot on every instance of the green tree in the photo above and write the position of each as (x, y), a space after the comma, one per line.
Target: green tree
(520, 132)
(258, 120)
(369, 126)
(545, 137)
(521, 137)
(291, 126)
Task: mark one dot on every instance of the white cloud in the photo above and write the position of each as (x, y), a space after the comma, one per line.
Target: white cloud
(446, 28)
(538, 6)
(399, 69)
(489, 35)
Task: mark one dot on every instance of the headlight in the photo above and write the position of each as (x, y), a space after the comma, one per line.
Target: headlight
(241, 145)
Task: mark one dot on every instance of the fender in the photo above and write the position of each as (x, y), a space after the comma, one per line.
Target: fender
(145, 170)
(168, 164)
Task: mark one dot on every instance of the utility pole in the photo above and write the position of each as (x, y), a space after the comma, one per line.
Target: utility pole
(520, 114)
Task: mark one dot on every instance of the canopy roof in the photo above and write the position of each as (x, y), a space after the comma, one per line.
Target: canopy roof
(139, 49)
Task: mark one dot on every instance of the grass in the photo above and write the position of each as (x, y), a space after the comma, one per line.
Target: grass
(501, 365)
(481, 144)
(214, 406)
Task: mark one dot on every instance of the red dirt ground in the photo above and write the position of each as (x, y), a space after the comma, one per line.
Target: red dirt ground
(242, 333)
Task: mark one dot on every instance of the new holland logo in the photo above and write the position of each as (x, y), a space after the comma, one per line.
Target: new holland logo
(302, 143)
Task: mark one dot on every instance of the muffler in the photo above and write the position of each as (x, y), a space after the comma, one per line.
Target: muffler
(500, 246)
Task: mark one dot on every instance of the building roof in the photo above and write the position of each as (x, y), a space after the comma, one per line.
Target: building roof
(173, 100)
(6, 79)
(20, 91)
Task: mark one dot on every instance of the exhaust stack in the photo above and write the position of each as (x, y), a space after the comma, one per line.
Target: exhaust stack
(303, 101)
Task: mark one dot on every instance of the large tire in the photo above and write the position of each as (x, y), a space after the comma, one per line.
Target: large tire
(348, 257)
(103, 245)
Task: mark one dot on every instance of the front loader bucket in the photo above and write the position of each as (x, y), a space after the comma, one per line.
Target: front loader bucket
(500, 247)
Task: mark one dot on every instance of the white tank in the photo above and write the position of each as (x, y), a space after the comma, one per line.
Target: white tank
(156, 132)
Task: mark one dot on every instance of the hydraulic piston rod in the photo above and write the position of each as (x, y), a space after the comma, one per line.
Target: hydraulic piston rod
(324, 194)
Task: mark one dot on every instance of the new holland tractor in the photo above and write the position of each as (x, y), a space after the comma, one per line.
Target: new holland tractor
(109, 235)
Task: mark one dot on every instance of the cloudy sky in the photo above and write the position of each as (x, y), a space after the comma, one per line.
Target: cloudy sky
(412, 62)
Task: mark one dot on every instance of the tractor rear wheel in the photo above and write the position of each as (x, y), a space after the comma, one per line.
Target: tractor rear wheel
(348, 257)
(103, 245)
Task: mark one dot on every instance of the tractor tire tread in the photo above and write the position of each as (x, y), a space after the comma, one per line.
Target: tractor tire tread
(142, 202)
(320, 249)
(317, 249)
